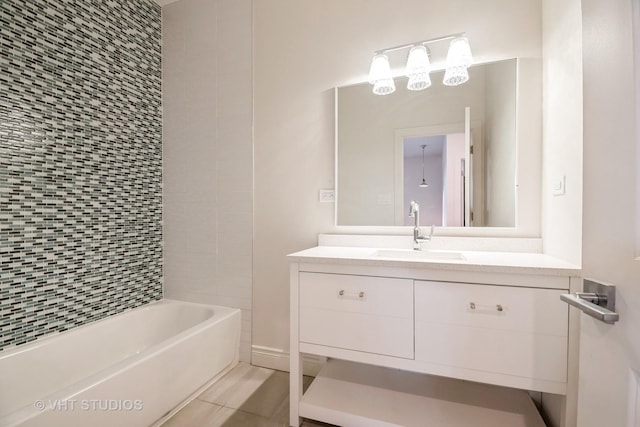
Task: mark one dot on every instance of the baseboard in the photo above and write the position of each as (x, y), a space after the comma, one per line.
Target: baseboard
(272, 358)
(278, 359)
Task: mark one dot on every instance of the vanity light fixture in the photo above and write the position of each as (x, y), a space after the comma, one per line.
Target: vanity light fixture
(380, 75)
(423, 184)
(418, 67)
(458, 60)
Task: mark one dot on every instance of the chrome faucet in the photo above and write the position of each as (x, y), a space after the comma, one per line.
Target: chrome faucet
(418, 237)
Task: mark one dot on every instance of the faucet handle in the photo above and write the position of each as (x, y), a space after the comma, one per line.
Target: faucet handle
(413, 208)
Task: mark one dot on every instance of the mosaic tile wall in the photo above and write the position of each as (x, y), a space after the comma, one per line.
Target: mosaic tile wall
(80, 162)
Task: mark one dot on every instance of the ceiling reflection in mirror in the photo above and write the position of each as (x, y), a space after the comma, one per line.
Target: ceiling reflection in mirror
(469, 159)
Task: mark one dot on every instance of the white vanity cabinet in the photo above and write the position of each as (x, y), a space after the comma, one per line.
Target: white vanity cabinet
(359, 313)
(492, 326)
(508, 335)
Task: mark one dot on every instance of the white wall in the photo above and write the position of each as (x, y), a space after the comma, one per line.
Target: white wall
(455, 148)
(207, 154)
(302, 50)
(562, 149)
(562, 128)
(499, 134)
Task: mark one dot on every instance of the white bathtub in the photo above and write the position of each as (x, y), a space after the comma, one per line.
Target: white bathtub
(130, 369)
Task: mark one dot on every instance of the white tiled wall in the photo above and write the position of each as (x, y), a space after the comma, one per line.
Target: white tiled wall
(207, 143)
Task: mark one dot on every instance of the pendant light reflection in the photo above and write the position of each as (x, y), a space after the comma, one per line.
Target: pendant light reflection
(380, 75)
(423, 184)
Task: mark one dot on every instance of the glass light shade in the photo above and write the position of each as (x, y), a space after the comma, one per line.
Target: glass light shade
(418, 68)
(454, 76)
(459, 58)
(459, 53)
(384, 87)
(380, 69)
(419, 81)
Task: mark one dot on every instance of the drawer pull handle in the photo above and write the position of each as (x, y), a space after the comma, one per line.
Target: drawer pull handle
(473, 306)
(360, 294)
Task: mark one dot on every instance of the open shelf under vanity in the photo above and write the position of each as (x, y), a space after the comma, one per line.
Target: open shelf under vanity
(353, 394)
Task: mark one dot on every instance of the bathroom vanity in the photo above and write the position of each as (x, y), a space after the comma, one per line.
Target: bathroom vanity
(489, 318)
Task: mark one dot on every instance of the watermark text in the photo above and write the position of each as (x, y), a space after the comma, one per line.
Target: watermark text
(95, 405)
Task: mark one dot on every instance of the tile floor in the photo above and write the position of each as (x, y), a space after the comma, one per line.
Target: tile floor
(247, 396)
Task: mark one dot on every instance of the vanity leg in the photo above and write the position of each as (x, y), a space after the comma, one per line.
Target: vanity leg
(295, 358)
(295, 389)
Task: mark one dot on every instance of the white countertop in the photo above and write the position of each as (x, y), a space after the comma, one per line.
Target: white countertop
(498, 262)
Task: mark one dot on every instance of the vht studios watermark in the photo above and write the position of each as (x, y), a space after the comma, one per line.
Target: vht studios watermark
(97, 405)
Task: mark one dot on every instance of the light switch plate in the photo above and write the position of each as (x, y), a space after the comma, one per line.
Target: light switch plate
(559, 186)
(327, 196)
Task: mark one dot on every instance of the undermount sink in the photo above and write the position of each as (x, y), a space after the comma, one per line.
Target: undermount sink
(411, 254)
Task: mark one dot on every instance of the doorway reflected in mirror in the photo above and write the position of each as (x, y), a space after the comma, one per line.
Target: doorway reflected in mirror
(439, 161)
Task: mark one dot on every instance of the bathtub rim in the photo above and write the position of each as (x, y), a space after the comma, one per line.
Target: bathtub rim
(219, 314)
(41, 341)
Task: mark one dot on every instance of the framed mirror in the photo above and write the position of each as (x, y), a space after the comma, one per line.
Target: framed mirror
(468, 161)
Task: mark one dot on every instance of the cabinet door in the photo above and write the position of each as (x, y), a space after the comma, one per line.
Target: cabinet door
(362, 313)
(500, 329)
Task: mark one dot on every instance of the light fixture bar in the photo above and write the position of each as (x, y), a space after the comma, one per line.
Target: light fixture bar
(404, 46)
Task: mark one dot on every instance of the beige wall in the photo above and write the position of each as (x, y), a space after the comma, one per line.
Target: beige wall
(207, 157)
(562, 128)
(302, 50)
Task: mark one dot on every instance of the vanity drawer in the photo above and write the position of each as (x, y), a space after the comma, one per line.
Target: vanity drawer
(361, 313)
(506, 330)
